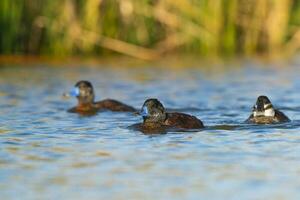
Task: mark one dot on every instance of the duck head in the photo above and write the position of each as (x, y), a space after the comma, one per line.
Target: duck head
(83, 91)
(153, 111)
(263, 107)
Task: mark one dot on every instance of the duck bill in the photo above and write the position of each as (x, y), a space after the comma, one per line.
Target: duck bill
(144, 112)
(73, 93)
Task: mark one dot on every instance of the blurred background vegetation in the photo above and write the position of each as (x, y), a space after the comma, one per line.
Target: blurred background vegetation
(149, 29)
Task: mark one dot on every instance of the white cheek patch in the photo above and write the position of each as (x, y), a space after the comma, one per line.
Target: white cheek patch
(257, 114)
(267, 105)
(269, 112)
(254, 114)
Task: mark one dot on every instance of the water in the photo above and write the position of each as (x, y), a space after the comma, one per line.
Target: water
(47, 153)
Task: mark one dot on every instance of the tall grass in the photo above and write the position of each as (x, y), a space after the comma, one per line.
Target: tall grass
(148, 29)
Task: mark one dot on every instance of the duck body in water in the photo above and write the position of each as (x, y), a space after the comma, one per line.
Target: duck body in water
(264, 113)
(84, 93)
(157, 120)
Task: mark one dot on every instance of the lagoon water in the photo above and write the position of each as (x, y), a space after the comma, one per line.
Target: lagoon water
(47, 153)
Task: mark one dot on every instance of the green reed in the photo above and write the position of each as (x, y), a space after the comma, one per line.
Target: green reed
(148, 29)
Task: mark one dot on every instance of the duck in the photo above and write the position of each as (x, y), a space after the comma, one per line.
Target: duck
(263, 112)
(84, 92)
(156, 119)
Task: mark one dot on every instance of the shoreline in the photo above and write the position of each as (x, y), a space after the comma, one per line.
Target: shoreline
(173, 61)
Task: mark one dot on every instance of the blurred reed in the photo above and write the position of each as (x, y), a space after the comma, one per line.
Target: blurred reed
(148, 29)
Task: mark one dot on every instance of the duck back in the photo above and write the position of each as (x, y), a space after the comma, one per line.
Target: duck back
(181, 120)
(281, 117)
(113, 105)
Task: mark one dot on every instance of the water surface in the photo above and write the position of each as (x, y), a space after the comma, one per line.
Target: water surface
(47, 153)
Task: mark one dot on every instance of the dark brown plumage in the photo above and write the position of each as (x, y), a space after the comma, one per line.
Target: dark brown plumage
(113, 105)
(150, 128)
(84, 92)
(155, 119)
(181, 120)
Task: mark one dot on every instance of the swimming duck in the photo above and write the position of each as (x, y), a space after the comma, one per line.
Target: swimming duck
(264, 113)
(84, 93)
(156, 119)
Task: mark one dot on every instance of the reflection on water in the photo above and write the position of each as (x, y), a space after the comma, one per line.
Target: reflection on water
(47, 153)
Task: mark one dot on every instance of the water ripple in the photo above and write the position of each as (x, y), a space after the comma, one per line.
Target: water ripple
(48, 153)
